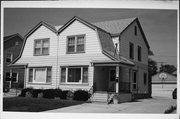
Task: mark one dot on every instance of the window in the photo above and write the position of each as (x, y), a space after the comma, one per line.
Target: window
(75, 44)
(134, 82)
(15, 77)
(135, 30)
(40, 75)
(41, 47)
(112, 75)
(74, 75)
(139, 53)
(145, 78)
(17, 43)
(131, 50)
(9, 57)
(8, 76)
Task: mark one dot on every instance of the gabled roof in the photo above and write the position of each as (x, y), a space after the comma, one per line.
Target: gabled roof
(6, 38)
(32, 31)
(114, 27)
(41, 23)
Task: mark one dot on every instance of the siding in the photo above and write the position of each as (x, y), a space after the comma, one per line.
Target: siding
(92, 52)
(38, 61)
(141, 66)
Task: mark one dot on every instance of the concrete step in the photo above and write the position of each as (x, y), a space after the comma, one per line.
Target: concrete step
(99, 97)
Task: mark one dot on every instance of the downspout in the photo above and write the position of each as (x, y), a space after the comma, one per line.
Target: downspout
(57, 58)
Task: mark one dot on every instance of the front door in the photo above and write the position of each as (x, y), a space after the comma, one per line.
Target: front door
(112, 80)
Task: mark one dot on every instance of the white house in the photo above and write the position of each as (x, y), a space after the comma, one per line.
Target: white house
(103, 57)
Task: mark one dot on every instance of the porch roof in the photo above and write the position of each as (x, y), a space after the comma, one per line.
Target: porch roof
(119, 62)
(18, 65)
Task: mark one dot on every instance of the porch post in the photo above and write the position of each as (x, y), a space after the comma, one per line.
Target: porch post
(117, 79)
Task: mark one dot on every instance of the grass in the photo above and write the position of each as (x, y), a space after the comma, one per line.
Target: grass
(22, 104)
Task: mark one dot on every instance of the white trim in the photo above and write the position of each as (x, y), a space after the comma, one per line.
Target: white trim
(66, 79)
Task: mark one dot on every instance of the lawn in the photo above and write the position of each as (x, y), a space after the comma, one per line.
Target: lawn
(22, 104)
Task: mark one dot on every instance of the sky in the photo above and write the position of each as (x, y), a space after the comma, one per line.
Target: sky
(160, 26)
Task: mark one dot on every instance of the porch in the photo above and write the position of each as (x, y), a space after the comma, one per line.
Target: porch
(111, 78)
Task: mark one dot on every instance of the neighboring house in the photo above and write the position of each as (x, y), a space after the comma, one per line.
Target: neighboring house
(163, 84)
(110, 56)
(12, 47)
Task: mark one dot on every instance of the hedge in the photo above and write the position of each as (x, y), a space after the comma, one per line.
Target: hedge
(81, 95)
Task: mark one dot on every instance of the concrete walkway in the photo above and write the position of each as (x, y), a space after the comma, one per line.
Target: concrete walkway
(154, 105)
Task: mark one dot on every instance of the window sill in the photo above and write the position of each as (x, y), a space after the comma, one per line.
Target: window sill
(31, 83)
(75, 52)
(84, 84)
(42, 55)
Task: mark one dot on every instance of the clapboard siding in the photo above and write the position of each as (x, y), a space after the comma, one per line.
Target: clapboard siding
(40, 33)
(140, 66)
(92, 52)
(92, 44)
(129, 36)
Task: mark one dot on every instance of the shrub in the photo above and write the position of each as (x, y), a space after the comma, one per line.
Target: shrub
(23, 92)
(49, 93)
(81, 95)
(69, 95)
(58, 92)
(64, 94)
(29, 94)
(35, 92)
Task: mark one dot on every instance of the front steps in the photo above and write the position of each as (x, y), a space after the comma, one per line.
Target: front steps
(103, 97)
(99, 97)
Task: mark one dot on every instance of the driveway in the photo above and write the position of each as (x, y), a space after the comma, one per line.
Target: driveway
(152, 105)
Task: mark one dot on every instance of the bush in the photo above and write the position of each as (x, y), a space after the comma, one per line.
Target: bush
(69, 95)
(58, 92)
(23, 91)
(35, 92)
(64, 94)
(81, 95)
(49, 93)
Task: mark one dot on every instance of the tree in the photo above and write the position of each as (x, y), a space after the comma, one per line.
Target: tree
(152, 67)
(167, 68)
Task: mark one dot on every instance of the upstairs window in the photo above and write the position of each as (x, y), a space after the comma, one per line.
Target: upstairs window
(131, 50)
(139, 53)
(41, 47)
(135, 30)
(76, 44)
(9, 57)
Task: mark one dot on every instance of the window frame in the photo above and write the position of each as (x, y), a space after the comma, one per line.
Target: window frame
(41, 48)
(67, 71)
(134, 83)
(11, 58)
(131, 53)
(135, 30)
(33, 75)
(145, 78)
(75, 44)
(139, 52)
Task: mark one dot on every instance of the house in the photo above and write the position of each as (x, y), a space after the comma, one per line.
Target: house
(103, 57)
(12, 47)
(163, 84)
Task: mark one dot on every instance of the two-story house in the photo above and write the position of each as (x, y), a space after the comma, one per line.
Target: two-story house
(103, 57)
(12, 47)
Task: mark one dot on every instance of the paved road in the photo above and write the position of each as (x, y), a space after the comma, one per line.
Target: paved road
(153, 105)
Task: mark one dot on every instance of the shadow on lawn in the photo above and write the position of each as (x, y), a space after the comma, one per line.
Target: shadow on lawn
(22, 104)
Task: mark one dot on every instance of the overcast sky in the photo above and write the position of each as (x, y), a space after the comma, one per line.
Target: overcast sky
(160, 26)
